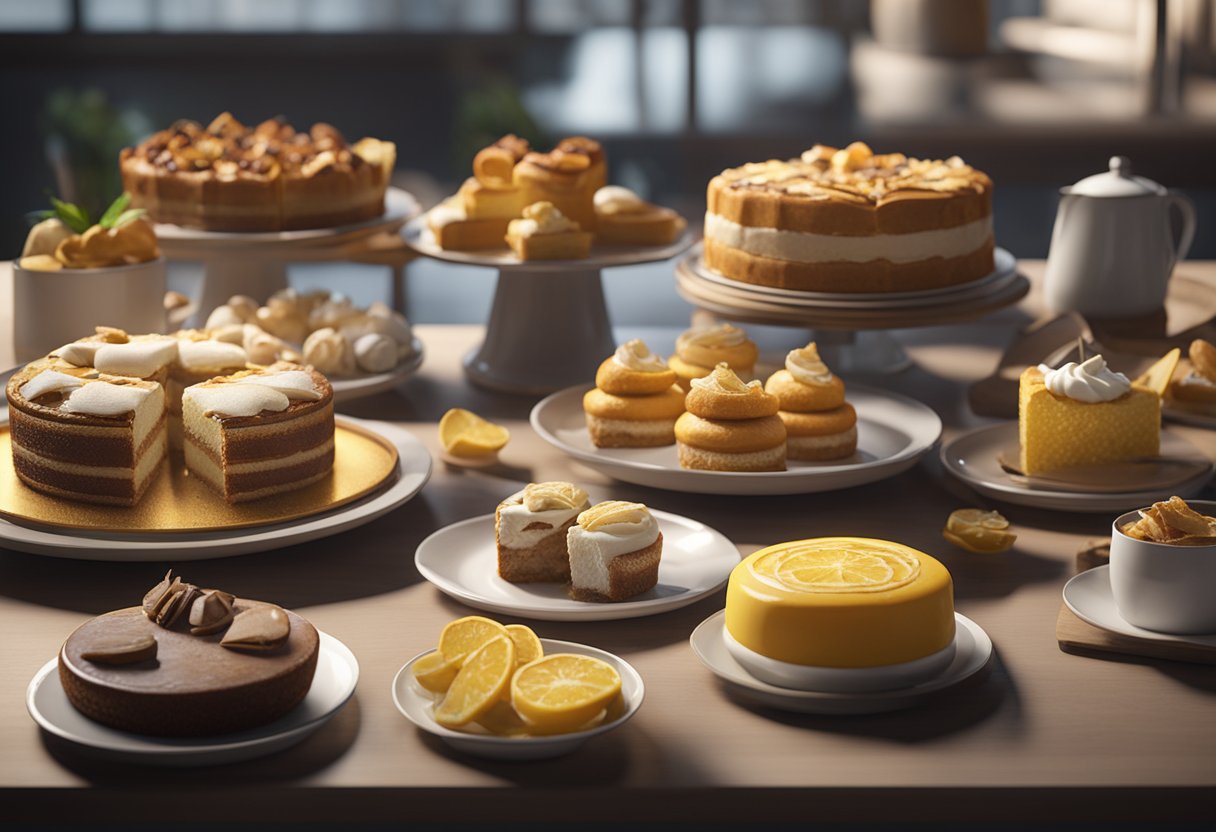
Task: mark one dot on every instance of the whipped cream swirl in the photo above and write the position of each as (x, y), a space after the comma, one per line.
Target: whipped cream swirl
(723, 380)
(635, 355)
(1091, 381)
(807, 367)
(613, 199)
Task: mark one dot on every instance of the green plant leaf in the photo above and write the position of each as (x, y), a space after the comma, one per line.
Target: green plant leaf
(129, 215)
(72, 216)
(35, 217)
(117, 207)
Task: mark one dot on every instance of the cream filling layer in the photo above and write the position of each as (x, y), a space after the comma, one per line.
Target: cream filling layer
(592, 552)
(514, 519)
(807, 247)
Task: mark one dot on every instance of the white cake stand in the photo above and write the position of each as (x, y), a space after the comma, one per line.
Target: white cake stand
(255, 263)
(548, 326)
(850, 329)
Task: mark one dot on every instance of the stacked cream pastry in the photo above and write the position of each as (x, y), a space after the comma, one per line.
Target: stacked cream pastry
(700, 349)
(819, 423)
(321, 328)
(530, 530)
(615, 550)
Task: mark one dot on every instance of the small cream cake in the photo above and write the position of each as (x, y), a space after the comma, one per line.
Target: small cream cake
(614, 552)
(258, 433)
(530, 529)
(199, 357)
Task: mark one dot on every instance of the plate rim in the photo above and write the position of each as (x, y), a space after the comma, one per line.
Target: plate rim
(1129, 629)
(357, 387)
(400, 679)
(983, 647)
(185, 747)
(594, 611)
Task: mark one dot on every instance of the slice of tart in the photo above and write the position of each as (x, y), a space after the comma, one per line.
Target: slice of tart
(257, 433)
(545, 233)
(530, 529)
(624, 218)
(615, 550)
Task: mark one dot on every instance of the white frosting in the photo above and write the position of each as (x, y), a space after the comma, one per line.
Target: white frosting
(78, 353)
(140, 358)
(375, 353)
(712, 336)
(515, 518)
(1090, 381)
(806, 247)
(329, 352)
(229, 334)
(807, 367)
(635, 355)
(100, 398)
(236, 399)
(613, 199)
(591, 552)
(204, 356)
(48, 381)
(296, 385)
(542, 218)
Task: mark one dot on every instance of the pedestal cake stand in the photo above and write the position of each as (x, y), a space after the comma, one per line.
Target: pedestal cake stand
(850, 328)
(548, 326)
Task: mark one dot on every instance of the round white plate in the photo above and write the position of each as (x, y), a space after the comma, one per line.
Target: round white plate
(399, 207)
(1005, 269)
(893, 432)
(973, 649)
(462, 561)
(1089, 596)
(413, 470)
(972, 458)
(416, 704)
(332, 685)
(419, 237)
(348, 389)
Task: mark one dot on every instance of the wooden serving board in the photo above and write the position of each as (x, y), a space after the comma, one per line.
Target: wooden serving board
(1076, 636)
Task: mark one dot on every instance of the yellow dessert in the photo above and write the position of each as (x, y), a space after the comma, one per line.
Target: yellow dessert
(464, 433)
(624, 218)
(841, 602)
(545, 233)
(635, 402)
(979, 531)
(1082, 414)
(700, 349)
(568, 176)
(730, 426)
(455, 231)
(1196, 390)
(819, 423)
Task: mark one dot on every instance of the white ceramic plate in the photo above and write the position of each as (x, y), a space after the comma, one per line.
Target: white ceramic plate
(462, 561)
(419, 237)
(399, 207)
(413, 470)
(334, 683)
(893, 433)
(1005, 269)
(416, 704)
(1089, 596)
(972, 458)
(973, 650)
(348, 389)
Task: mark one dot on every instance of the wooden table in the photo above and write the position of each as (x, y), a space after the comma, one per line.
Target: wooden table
(1044, 735)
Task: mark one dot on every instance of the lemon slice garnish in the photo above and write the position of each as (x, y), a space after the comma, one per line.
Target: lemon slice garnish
(479, 685)
(464, 433)
(833, 567)
(563, 692)
(979, 531)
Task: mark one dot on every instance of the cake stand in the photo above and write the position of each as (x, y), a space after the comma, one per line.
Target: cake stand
(850, 328)
(548, 326)
(255, 263)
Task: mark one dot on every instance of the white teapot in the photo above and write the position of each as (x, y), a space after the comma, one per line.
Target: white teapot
(1112, 248)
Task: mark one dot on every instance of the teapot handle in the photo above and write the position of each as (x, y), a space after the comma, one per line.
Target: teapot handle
(1187, 209)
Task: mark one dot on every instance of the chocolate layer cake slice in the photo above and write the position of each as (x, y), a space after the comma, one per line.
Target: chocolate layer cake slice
(261, 432)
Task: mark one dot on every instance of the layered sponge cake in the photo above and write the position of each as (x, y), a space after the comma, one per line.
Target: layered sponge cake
(86, 435)
(257, 433)
(530, 530)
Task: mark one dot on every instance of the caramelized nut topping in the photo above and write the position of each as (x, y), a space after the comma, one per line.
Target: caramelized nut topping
(120, 650)
(263, 627)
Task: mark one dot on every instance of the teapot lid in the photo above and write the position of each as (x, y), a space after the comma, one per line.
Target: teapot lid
(1118, 181)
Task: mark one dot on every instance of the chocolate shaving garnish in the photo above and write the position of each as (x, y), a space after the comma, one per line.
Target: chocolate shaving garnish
(117, 650)
(210, 612)
(158, 595)
(257, 629)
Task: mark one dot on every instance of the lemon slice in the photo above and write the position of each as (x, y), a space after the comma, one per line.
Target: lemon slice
(832, 566)
(563, 692)
(435, 672)
(979, 531)
(463, 636)
(479, 684)
(527, 645)
(1157, 377)
(501, 720)
(464, 433)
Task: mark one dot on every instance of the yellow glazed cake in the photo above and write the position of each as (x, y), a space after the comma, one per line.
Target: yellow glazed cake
(841, 602)
(1082, 414)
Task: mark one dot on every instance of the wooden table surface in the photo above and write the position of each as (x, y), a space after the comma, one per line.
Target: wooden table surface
(1043, 735)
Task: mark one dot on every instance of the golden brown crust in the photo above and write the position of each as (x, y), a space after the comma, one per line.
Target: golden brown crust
(875, 276)
(546, 562)
(620, 433)
(820, 423)
(699, 459)
(656, 227)
(803, 398)
(614, 377)
(629, 575)
(730, 436)
(708, 404)
(665, 405)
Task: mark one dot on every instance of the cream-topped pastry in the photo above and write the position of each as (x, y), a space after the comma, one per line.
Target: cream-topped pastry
(545, 233)
(701, 348)
(329, 352)
(624, 218)
(615, 550)
(731, 425)
(819, 423)
(260, 432)
(86, 435)
(530, 530)
(1090, 381)
(635, 402)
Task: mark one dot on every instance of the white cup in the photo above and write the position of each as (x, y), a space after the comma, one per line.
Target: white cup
(51, 309)
(1161, 587)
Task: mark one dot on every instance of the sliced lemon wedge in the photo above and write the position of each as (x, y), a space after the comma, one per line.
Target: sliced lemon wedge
(435, 672)
(563, 692)
(464, 433)
(460, 638)
(527, 645)
(979, 531)
(479, 685)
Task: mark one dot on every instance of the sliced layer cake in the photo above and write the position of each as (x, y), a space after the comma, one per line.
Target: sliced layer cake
(530, 530)
(257, 433)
